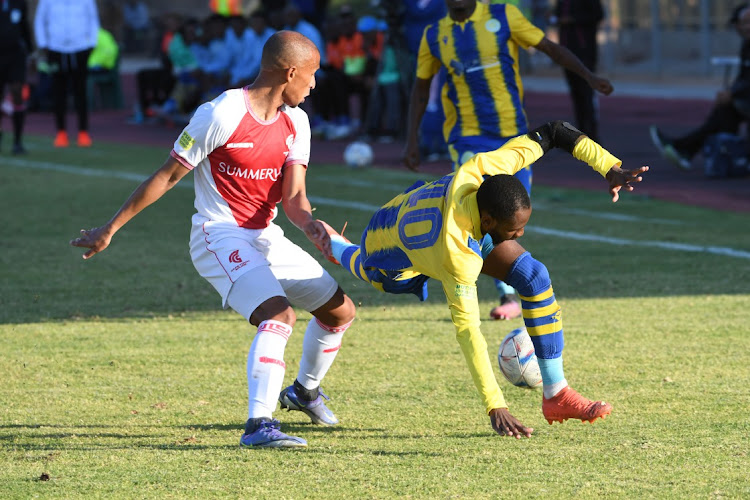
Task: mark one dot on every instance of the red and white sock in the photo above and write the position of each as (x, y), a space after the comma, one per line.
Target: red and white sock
(319, 348)
(266, 367)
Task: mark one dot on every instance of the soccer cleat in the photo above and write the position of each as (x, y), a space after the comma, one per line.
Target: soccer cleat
(510, 310)
(18, 149)
(61, 139)
(332, 232)
(569, 404)
(84, 139)
(269, 435)
(316, 409)
(668, 150)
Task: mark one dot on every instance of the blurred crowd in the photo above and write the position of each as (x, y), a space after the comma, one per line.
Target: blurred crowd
(367, 59)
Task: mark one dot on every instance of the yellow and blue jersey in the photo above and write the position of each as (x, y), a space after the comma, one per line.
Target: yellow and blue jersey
(434, 230)
(483, 95)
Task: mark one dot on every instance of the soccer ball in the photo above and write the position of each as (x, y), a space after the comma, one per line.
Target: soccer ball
(518, 361)
(358, 154)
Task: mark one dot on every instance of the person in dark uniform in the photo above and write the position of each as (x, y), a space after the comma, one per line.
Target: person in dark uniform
(578, 21)
(15, 46)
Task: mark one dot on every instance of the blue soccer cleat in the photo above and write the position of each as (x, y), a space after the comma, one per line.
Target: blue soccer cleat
(316, 409)
(269, 435)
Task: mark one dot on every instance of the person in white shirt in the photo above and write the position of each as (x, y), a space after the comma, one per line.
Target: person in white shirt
(66, 33)
(249, 149)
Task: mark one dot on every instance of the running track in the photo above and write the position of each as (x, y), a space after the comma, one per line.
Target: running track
(624, 132)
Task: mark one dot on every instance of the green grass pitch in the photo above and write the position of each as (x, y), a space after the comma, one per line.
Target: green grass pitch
(123, 378)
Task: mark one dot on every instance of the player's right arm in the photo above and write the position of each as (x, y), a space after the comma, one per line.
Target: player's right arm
(462, 300)
(150, 190)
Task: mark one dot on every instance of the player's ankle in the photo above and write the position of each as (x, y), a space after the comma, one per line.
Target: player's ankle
(305, 394)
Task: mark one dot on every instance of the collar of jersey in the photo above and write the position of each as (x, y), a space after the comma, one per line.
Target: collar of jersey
(475, 16)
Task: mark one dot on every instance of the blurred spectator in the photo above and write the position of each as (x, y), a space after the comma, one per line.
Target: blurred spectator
(213, 57)
(314, 11)
(66, 32)
(136, 25)
(226, 8)
(295, 22)
(15, 46)
(392, 83)
(417, 15)
(579, 21)
(186, 90)
(352, 65)
(731, 108)
(154, 85)
(246, 61)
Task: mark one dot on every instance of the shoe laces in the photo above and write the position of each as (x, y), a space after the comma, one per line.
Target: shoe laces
(272, 427)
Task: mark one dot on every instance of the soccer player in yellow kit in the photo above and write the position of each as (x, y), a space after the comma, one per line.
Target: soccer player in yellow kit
(434, 230)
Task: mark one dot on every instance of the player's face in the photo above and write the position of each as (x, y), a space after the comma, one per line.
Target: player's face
(508, 229)
(460, 10)
(302, 82)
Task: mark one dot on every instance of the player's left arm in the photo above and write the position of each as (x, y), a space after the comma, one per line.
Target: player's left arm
(563, 57)
(298, 209)
(563, 135)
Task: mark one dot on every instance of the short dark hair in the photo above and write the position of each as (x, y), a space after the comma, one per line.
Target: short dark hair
(501, 196)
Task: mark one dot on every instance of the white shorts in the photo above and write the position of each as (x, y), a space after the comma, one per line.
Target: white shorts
(223, 253)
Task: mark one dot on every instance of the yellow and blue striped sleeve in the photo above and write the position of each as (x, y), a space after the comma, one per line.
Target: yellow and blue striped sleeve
(522, 31)
(427, 64)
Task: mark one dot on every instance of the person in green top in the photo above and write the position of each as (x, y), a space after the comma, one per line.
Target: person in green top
(105, 53)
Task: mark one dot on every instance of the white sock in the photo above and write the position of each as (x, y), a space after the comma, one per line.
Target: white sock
(266, 367)
(319, 348)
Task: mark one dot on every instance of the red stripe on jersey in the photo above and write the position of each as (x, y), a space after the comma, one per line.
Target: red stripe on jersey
(247, 169)
(333, 329)
(273, 361)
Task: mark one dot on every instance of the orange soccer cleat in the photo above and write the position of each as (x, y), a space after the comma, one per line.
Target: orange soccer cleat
(84, 139)
(332, 232)
(509, 310)
(61, 139)
(569, 404)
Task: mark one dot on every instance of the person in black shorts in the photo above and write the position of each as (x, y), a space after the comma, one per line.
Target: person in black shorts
(15, 45)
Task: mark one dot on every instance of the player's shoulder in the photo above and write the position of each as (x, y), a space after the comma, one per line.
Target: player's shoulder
(297, 116)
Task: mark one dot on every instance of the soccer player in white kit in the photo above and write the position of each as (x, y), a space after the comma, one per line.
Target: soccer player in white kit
(249, 149)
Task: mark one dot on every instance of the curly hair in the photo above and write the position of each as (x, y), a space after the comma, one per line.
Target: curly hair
(501, 196)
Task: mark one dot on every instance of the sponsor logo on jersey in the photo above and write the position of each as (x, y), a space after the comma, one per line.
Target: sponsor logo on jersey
(260, 174)
(234, 257)
(233, 145)
(186, 141)
(466, 291)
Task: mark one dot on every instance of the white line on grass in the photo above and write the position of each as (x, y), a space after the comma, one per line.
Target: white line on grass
(365, 207)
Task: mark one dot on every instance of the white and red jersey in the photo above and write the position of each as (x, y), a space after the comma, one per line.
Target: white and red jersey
(238, 158)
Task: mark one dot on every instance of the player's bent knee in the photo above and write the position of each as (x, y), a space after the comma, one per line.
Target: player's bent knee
(528, 276)
(275, 308)
(339, 310)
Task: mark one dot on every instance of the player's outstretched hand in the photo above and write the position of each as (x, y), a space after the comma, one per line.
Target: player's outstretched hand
(601, 85)
(506, 424)
(316, 232)
(411, 155)
(623, 179)
(96, 240)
